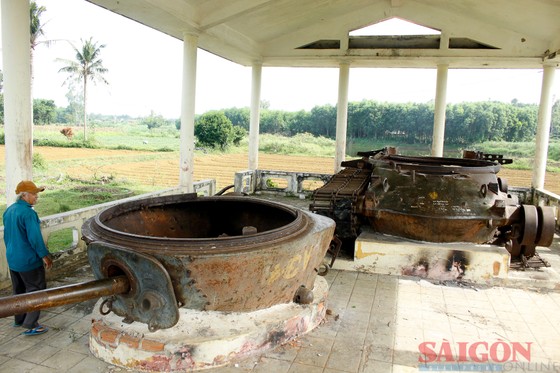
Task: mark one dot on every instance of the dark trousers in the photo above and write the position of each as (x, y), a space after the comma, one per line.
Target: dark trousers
(28, 282)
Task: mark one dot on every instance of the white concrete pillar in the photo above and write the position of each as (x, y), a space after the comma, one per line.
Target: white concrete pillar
(190, 43)
(18, 120)
(439, 110)
(254, 124)
(341, 115)
(543, 127)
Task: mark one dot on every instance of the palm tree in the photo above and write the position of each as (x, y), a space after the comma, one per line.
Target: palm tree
(35, 13)
(87, 65)
(36, 31)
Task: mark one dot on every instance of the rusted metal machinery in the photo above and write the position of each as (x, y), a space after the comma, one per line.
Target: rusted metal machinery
(150, 257)
(433, 199)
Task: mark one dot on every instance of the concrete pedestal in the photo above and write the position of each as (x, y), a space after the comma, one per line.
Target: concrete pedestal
(383, 254)
(203, 339)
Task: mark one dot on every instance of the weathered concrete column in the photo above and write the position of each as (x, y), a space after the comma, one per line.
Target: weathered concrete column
(543, 127)
(439, 110)
(341, 114)
(190, 43)
(254, 124)
(18, 120)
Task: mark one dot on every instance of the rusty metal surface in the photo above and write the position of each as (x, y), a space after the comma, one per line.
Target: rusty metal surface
(522, 263)
(22, 303)
(185, 224)
(150, 300)
(336, 197)
(418, 227)
(434, 199)
(211, 264)
(532, 226)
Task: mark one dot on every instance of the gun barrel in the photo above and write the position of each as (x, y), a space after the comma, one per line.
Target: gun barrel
(38, 300)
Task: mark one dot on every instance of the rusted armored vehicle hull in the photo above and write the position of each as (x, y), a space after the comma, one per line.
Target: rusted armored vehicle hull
(433, 199)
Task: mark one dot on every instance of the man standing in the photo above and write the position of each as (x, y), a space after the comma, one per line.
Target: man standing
(26, 251)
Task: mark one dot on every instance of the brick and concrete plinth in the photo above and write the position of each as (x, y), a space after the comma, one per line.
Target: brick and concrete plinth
(203, 339)
(383, 254)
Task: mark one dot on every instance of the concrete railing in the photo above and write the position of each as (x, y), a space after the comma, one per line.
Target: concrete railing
(539, 197)
(74, 257)
(543, 197)
(288, 183)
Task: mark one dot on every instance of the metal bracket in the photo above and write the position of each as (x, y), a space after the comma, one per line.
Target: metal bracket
(151, 299)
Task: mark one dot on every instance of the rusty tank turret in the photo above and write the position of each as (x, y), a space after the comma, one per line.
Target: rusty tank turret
(433, 199)
(153, 256)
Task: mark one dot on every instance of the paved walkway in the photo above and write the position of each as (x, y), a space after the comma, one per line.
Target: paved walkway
(375, 323)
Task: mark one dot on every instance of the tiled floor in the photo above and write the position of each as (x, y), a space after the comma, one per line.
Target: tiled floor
(375, 323)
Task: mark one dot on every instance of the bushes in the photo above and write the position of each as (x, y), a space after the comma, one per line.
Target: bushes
(39, 162)
(153, 121)
(300, 144)
(215, 130)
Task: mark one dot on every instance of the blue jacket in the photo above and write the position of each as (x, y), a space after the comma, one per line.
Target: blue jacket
(25, 247)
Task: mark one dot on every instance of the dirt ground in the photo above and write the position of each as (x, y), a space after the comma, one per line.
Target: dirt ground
(163, 169)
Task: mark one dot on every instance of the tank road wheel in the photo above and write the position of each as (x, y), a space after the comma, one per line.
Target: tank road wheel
(513, 247)
(530, 230)
(547, 225)
(530, 225)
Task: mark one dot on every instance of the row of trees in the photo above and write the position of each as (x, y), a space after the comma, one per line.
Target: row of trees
(466, 123)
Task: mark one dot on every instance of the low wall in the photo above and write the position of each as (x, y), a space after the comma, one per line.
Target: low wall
(543, 197)
(69, 260)
(283, 182)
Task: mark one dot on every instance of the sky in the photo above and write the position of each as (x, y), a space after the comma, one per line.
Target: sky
(145, 73)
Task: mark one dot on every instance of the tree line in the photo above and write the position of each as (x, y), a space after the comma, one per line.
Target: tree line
(466, 123)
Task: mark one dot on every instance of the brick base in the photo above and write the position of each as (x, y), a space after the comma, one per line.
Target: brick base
(203, 339)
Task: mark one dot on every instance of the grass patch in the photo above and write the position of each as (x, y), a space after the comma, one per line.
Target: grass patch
(78, 196)
(60, 240)
(301, 144)
(124, 137)
(70, 194)
(522, 153)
